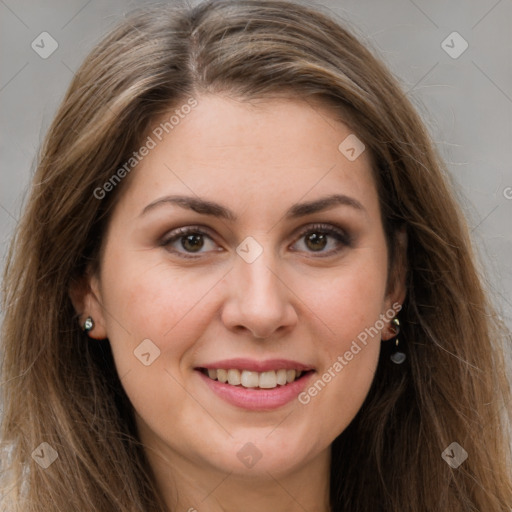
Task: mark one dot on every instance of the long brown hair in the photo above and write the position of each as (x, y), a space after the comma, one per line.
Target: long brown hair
(61, 388)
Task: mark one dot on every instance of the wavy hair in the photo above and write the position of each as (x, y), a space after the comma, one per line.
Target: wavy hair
(60, 388)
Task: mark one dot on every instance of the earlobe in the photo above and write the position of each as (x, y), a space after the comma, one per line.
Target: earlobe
(389, 331)
(397, 285)
(86, 299)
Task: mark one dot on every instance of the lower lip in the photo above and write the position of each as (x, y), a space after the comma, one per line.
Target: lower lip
(257, 399)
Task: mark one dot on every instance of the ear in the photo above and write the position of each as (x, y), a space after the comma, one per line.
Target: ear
(397, 282)
(85, 296)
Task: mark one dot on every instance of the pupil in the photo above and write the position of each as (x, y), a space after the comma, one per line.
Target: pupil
(192, 242)
(316, 241)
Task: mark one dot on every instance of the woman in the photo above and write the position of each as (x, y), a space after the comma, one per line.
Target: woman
(242, 283)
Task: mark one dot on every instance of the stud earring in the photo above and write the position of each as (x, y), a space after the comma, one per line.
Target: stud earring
(88, 325)
(398, 357)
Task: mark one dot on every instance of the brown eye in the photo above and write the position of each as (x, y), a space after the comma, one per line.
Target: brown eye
(192, 242)
(316, 241)
(323, 239)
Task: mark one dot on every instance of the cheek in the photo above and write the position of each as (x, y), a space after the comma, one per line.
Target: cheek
(154, 302)
(347, 309)
(155, 311)
(350, 300)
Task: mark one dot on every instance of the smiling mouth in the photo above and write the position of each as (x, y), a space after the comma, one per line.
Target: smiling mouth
(254, 380)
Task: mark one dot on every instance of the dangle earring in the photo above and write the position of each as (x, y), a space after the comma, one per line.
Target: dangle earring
(88, 325)
(398, 357)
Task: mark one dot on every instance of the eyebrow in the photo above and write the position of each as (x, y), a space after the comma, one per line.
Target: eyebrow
(214, 209)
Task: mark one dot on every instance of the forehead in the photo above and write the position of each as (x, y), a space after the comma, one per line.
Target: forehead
(257, 154)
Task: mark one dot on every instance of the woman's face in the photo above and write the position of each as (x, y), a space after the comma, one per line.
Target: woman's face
(283, 265)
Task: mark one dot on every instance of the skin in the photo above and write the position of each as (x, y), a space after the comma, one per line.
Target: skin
(293, 302)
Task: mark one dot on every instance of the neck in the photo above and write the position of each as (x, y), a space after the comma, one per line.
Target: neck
(189, 487)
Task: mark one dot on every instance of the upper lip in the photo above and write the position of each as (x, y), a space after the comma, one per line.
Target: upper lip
(256, 366)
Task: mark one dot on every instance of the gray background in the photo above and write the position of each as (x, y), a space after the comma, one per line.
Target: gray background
(465, 101)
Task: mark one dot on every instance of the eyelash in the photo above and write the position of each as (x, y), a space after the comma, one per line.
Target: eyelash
(336, 232)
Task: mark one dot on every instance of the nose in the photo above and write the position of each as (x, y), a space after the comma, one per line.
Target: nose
(259, 300)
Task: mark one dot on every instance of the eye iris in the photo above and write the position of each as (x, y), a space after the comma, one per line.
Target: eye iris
(316, 241)
(192, 242)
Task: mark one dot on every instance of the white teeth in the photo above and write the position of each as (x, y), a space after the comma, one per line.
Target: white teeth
(249, 379)
(234, 377)
(281, 377)
(268, 380)
(222, 375)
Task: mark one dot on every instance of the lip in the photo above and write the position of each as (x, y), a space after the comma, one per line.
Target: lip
(256, 399)
(256, 366)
